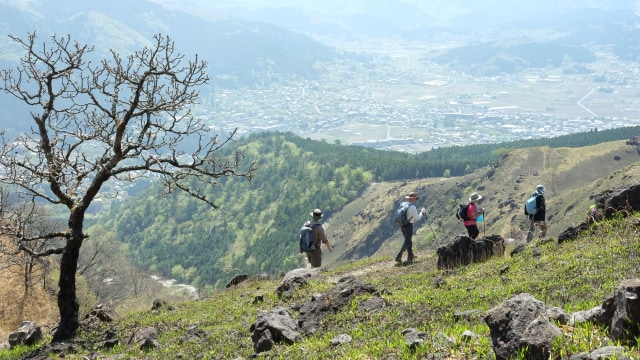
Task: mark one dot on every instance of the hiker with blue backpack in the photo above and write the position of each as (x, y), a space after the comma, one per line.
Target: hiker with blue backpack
(406, 215)
(471, 215)
(535, 209)
(314, 253)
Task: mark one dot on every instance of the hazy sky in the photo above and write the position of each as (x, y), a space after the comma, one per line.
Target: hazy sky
(456, 13)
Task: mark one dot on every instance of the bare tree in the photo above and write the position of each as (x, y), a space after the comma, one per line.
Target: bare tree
(123, 118)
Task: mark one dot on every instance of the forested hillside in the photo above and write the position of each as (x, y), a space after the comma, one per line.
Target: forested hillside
(254, 229)
(449, 161)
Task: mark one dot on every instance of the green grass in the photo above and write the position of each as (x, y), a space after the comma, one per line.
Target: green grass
(576, 275)
(18, 352)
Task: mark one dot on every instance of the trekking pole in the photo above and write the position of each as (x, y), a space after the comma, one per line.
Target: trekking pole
(434, 235)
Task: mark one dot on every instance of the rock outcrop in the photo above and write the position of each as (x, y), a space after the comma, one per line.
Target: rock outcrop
(618, 200)
(464, 251)
(523, 324)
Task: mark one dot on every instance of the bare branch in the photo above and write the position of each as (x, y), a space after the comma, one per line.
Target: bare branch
(43, 253)
(121, 119)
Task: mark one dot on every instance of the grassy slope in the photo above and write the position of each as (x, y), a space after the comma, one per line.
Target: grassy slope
(575, 275)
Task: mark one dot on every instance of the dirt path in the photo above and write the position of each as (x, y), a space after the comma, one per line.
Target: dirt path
(359, 272)
(554, 165)
(426, 261)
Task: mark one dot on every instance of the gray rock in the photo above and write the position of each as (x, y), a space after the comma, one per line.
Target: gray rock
(331, 302)
(29, 333)
(468, 335)
(616, 200)
(608, 352)
(293, 280)
(146, 338)
(341, 339)
(538, 338)
(625, 324)
(509, 321)
(372, 305)
(272, 327)
(600, 315)
(558, 314)
(443, 340)
(238, 279)
(414, 338)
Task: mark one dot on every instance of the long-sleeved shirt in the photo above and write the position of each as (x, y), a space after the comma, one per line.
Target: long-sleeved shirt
(413, 214)
(319, 235)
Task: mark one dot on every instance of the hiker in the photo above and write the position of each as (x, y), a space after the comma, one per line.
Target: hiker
(407, 230)
(315, 256)
(537, 218)
(593, 215)
(472, 216)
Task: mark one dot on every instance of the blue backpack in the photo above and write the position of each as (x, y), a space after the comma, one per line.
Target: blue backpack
(307, 241)
(400, 217)
(530, 206)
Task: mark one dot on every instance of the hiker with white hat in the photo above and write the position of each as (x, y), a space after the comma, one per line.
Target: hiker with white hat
(412, 215)
(319, 236)
(473, 212)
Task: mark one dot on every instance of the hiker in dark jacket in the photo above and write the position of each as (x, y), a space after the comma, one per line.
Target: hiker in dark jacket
(539, 217)
(319, 237)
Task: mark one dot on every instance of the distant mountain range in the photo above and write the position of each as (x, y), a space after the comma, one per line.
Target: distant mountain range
(263, 44)
(239, 52)
(253, 42)
(415, 18)
(569, 24)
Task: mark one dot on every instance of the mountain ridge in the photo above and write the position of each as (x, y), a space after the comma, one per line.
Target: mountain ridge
(571, 183)
(253, 230)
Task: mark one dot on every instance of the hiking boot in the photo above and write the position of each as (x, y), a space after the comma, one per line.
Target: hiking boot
(398, 260)
(411, 258)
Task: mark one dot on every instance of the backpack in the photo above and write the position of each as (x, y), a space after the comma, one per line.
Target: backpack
(530, 206)
(307, 241)
(400, 217)
(462, 213)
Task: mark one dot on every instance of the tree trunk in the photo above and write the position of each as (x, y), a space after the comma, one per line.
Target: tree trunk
(67, 302)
